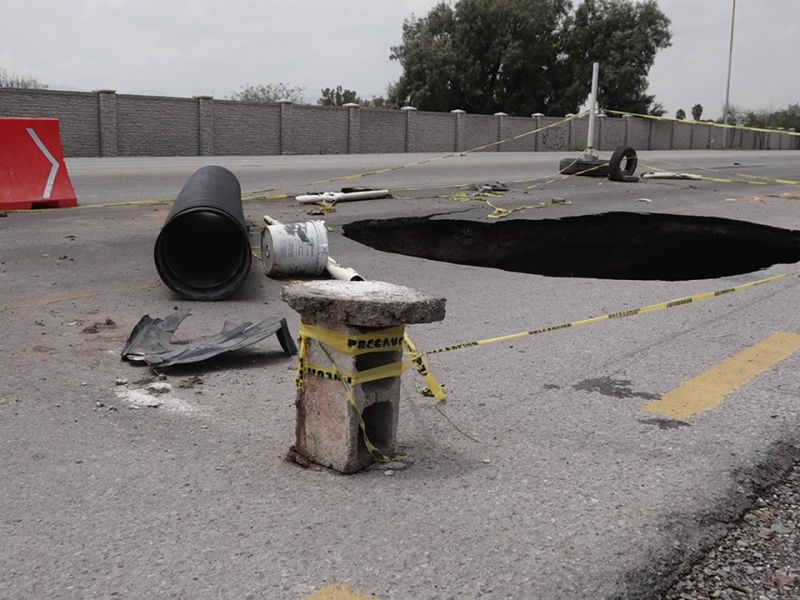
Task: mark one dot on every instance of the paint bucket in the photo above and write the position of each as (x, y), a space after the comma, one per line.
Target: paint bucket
(295, 248)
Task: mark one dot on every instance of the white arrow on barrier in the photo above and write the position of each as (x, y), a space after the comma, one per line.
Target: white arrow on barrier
(48, 188)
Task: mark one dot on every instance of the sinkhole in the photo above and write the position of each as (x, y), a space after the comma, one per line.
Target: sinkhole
(619, 245)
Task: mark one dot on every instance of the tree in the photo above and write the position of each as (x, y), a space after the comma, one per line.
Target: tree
(526, 56)
(787, 118)
(681, 114)
(12, 80)
(270, 92)
(624, 37)
(376, 102)
(697, 111)
(482, 56)
(657, 110)
(338, 97)
(736, 115)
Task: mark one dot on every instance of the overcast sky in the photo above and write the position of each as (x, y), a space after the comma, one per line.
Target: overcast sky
(192, 47)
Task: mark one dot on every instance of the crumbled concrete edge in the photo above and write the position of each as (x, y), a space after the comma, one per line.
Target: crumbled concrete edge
(690, 537)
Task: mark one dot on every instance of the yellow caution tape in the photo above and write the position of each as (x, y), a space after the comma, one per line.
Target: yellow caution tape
(619, 315)
(384, 340)
(709, 123)
(382, 372)
(423, 368)
(446, 156)
(500, 213)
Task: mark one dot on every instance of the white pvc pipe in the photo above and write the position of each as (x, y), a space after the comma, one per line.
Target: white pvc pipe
(337, 271)
(592, 110)
(342, 196)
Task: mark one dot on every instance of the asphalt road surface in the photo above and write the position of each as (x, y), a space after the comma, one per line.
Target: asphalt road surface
(596, 461)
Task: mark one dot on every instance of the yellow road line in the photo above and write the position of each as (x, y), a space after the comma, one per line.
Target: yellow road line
(338, 592)
(41, 302)
(709, 390)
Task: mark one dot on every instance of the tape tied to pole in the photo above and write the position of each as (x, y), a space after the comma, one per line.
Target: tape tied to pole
(384, 340)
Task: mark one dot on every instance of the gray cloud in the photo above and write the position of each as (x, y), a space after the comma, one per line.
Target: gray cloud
(189, 47)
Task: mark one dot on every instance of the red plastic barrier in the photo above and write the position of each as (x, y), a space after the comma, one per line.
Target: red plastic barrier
(32, 169)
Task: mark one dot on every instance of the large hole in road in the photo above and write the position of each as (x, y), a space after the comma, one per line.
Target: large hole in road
(604, 246)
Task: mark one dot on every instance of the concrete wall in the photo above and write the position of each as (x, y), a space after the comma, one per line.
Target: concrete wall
(554, 135)
(432, 132)
(481, 130)
(383, 131)
(246, 129)
(78, 113)
(518, 132)
(612, 133)
(104, 123)
(153, 126)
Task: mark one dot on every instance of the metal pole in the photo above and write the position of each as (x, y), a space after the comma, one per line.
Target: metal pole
(728, 91)
(589, 152)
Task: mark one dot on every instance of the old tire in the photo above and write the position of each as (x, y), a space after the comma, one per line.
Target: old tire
(584, 167)
(619, 173)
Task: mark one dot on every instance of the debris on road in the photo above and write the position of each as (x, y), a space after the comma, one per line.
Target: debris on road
(342, 273)
(623, 174)
(295, 248)
(203, 249)
(334, 268)
(151, 340)
(491, 187)
(669, 175)
(331, 198)
(98, 327)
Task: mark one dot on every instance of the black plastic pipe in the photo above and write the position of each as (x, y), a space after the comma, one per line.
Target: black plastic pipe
(203, 250)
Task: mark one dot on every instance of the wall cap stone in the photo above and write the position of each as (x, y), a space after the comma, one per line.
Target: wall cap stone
(362, 303)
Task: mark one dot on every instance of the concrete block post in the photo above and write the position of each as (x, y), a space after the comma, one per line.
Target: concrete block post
(107, 121)
(502, 129)
(205, 125)
(538, 117)
(410, 129)
(353, 127)
(673, 125)
(286, 126)
(627, 121)
(458, 144)
(327, 429)
(570, 142)
(600, 133)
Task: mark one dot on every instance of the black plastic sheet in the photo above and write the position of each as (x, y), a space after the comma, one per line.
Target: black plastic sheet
(151, 340)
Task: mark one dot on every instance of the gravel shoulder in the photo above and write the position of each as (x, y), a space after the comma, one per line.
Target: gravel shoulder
(759, 557)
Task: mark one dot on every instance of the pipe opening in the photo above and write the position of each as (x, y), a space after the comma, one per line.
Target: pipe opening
(203, 250)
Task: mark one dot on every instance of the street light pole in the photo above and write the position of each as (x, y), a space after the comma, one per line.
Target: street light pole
(728, 91)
